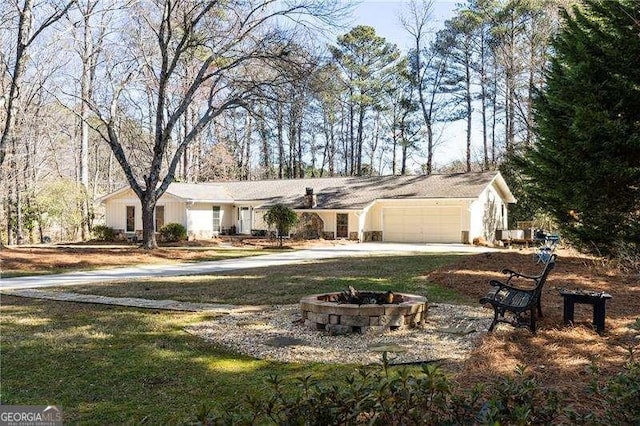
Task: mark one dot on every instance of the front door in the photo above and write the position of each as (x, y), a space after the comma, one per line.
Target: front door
(244, 220)
(342, 225)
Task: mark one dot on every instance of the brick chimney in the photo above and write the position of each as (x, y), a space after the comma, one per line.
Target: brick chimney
(310, 199)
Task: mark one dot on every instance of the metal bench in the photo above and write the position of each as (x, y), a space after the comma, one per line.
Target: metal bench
(506, 297)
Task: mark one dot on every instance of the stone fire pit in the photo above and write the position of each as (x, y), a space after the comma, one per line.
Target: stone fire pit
(374, 312)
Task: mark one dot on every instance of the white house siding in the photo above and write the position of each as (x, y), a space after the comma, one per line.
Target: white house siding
(258, 220)
(488, 213)
(116, 210)
(199, 221)
(329, 219)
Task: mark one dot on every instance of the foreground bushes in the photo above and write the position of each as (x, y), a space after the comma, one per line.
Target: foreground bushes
(427, 398)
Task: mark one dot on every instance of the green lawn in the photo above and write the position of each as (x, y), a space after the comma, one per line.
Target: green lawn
(114, 365)
(287, 284)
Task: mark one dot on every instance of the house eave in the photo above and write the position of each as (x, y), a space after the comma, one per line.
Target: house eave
(333, 209)
(507, 195)
(117, 192)
(405, 199)
(212, 201)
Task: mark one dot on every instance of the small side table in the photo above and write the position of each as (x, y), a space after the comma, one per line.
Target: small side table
(595, 298)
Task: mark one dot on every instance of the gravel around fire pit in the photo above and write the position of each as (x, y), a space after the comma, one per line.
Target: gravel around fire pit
(275, 333)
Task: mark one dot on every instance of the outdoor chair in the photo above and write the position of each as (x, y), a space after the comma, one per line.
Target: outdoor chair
(507, 297)
(545, 251)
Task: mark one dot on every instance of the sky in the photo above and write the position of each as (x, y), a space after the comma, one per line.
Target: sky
(384, 16)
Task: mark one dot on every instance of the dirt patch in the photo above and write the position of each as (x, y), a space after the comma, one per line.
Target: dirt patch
(559, 356)
(57, 259)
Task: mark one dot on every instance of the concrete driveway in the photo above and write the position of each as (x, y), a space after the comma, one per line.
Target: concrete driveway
(268, 260)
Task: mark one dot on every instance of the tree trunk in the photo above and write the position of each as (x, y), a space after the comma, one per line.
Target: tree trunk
(511, 112)
(22, 42)
(468, 99)
(494, 113)
(360, 136)
(280, 135)
(403, 168)
(351, 155)
(299, 138)
(148, 223)
(10, 218)
(247, 146)
(264, 137)
(394, 154)
(291, 167)
(344, 138)
(429, 148)
(19, 215)
(84, 131)
(483, 98)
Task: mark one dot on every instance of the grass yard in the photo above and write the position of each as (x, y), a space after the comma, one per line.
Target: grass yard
(24, 261)
(288, 283)
(111, 365)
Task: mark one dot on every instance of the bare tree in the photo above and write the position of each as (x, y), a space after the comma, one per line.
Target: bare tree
(235, 47)
(28, 30)
(91, 24)
(24, 51)
(428, 68)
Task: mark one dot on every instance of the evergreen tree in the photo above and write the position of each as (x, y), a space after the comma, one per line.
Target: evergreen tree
(368, 62)
(585, 168)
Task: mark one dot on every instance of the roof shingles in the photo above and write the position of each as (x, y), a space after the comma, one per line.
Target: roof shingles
(338, 192)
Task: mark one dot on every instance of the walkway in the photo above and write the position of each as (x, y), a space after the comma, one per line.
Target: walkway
(169, 305)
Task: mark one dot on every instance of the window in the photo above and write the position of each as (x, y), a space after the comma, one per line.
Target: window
(216, 219)
(159, 217)
(131, 219)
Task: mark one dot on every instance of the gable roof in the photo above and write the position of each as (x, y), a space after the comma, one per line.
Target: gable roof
(192, 192)
(200, 192)
(341, 192)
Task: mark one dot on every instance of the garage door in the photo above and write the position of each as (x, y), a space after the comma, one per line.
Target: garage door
(422, 225)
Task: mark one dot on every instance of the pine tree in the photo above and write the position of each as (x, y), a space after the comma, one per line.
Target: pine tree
(585, 168)
(367, 62)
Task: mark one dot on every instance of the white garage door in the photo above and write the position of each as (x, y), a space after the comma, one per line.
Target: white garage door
(422, 225)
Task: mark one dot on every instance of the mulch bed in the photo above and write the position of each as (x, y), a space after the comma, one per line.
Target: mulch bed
(558, 355)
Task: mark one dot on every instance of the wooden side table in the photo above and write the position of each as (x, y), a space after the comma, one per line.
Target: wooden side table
(597, 299)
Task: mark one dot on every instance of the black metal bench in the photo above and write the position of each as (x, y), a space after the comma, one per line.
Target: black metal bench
(506, 297)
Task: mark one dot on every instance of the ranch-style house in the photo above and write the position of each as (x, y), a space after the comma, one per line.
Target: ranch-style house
(446, 208)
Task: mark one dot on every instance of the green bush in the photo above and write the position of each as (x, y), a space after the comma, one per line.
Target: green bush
(520, 400)
(103, 233)
(386, 396)
(621, 395)
(172, 232)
